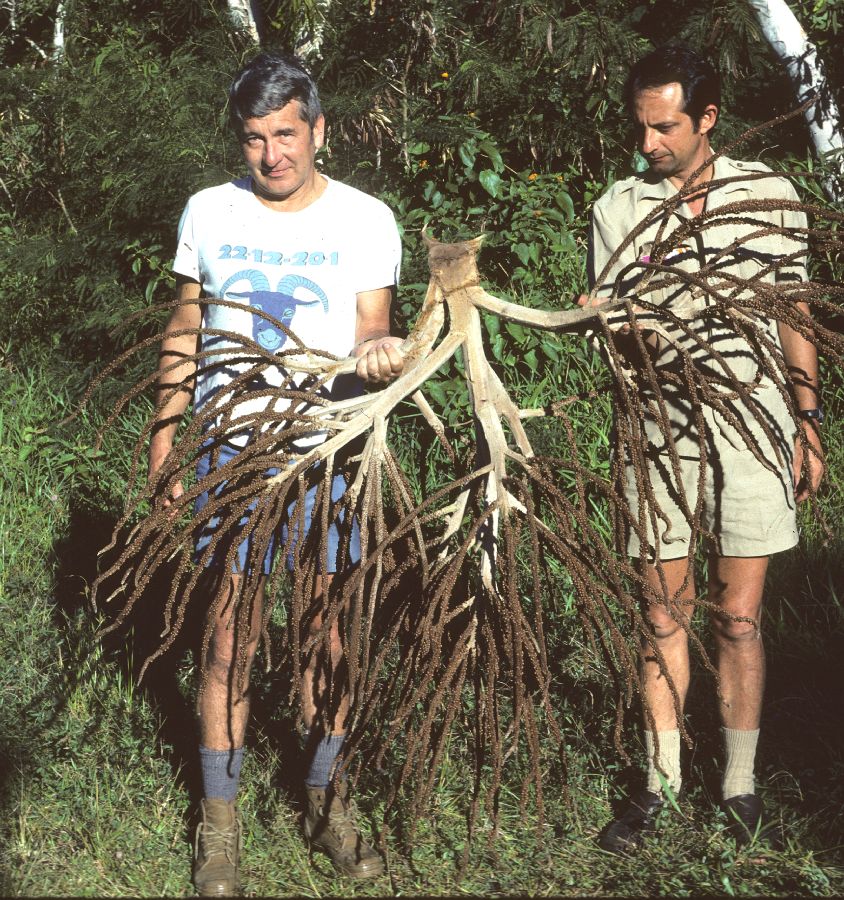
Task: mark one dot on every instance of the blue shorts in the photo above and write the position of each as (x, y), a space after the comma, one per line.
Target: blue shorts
(280, 534)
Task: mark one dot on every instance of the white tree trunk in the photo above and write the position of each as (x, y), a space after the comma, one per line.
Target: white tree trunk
(800, 56)
(58, 31)
(243, 15)
(11, 5)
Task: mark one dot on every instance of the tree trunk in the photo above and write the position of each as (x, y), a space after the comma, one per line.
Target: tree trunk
(800, 56)
(58, 32)
(244, 16)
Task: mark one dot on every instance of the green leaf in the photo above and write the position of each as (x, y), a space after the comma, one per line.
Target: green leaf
(523, 252)
(494, 155)
(532, 360)
(467, 155)
(516, 331)
(565, 203)
(640, 164)
(435, 389)
(490, 182)
(551, 351)
(101, 57)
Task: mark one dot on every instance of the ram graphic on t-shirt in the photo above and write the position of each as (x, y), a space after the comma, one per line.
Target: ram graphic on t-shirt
(280, 304)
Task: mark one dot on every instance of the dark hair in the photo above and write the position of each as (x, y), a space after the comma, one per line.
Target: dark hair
(699, 80)
(268, 82)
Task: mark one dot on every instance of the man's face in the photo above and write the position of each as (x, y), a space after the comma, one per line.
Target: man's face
(667, 137)
(279, 150)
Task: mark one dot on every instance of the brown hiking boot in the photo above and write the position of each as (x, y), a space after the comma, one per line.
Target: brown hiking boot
(330, 826)
(216, 854)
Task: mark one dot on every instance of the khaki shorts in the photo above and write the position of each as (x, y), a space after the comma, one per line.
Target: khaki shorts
(749, 508)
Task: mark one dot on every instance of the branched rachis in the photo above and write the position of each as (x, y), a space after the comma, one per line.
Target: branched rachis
(435, 612)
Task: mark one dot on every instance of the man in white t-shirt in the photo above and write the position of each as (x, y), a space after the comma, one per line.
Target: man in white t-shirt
(323, 259)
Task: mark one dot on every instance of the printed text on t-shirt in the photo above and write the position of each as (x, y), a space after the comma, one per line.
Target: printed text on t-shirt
(276, 258)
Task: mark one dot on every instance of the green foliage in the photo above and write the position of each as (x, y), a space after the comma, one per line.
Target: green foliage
(467, 117)
(97, 787)
(460, 187)
(104, 151)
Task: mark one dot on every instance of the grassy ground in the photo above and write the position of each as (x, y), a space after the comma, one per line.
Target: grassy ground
(99, 788)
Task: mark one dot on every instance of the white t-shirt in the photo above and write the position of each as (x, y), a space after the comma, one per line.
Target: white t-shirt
(304, 268)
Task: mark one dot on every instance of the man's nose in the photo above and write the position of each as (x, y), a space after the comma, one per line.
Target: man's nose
(272, 153)
(649, 141)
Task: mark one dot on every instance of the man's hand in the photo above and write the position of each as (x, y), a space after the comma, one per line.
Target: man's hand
(589, 302)
(586, 300)
(379, 359)
(805, 486)
(157, 454)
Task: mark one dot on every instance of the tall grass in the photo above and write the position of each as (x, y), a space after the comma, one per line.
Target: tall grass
(100, 785)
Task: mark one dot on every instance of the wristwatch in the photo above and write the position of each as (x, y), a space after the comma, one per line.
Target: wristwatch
(812, 415)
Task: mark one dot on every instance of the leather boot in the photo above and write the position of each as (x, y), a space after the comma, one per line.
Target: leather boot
(216, 859)
(330, 826)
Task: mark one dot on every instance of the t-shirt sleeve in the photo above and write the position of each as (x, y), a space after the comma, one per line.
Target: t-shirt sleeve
(186, 261)
(381, 252)
(794, 239)
(604, 238)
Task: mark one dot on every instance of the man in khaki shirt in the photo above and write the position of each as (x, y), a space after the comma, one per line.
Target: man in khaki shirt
(747, 508)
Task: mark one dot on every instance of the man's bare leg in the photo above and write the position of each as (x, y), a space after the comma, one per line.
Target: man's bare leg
(223, 710)
(325, 692)
(329, 822)
(736, 584)
(223, 705)
(665, 684)
(670, 637)
(316, 693)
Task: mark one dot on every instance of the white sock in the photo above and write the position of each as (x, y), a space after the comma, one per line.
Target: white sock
(739, 758)
(668, 760)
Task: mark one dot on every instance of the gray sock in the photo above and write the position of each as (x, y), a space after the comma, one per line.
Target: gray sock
(220, 772)
(321, 768)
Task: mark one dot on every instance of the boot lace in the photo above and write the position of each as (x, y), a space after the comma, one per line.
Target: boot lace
(341, 820)
(217, 840)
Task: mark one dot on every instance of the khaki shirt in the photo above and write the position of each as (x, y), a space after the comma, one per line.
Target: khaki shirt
(728, 246)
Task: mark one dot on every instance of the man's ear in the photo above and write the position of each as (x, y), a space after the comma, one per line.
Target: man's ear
(708, 118)
(319, 132)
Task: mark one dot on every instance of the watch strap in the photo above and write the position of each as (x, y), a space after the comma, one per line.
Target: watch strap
(812, 415)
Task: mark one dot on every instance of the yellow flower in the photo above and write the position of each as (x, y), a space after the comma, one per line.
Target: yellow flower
(533, 176)
(443, 74)
(537, 213)
(423, 163)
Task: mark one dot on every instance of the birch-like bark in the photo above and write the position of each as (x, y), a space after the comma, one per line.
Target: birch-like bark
(58, 32)
(11, 5)
(244, 17)
(789, 41)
